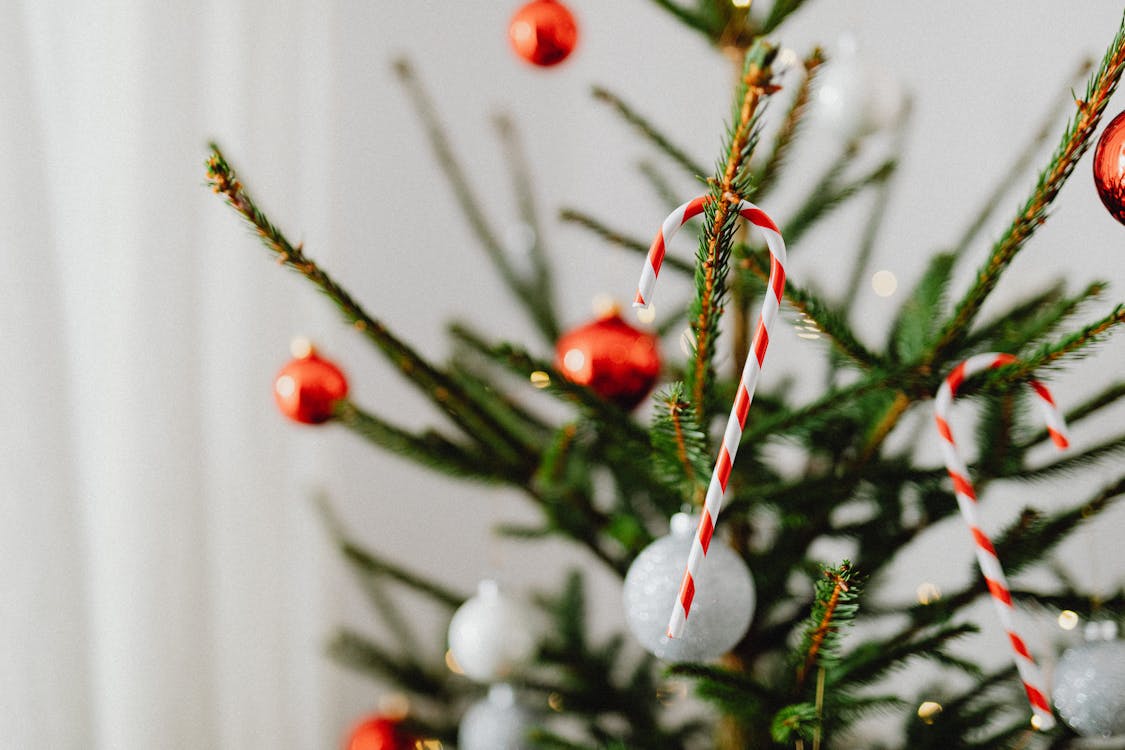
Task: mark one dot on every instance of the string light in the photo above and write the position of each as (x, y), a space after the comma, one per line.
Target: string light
(884, 283)
(555, 701)
(928, 711)
(646, 314)
(928, 593)
(741, 3)
(1036, 722)
(428, 745)
(540, 379)
(1068, 619)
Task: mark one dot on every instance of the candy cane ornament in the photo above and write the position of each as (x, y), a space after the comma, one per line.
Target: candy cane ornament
(967, 500)
(771, 303)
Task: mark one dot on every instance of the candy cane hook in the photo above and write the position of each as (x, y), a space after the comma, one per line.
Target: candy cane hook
(967, 500)
(771, 303)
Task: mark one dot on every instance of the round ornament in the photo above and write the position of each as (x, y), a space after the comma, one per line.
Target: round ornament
(497, 722)
(1109, 167)
(618, 362)
(308, 387)
(543, 32)
(720, 612)
(378, 733)
(492, 634)
(853, 98)
(1089, 687)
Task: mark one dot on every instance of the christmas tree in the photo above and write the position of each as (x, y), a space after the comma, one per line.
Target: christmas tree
(802, 654)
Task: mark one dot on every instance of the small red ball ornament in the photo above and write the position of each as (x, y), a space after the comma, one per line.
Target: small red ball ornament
(619, 362)
(379, 733)
(308, 388)
(543, 32)
(1109, 167)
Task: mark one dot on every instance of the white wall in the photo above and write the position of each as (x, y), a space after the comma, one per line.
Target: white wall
(169, 583)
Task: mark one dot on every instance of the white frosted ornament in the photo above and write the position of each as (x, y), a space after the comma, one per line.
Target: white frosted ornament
(498, 722)
(1089, 684)
(492, 634)
(853, 98)
(723, 603)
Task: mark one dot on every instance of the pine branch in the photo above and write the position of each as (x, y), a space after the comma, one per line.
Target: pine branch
(1075, 141)
(437, 385)
(779, 11)
(830, 322)
(541, 282)
(370, 565)
(430, 449)
(364, 655)
(733, 180)
(615, 237)
(669, 196)
(1092, 405)
(828, 194)
(643, 126)
(874, 659)
(688, 18)
(527, 293)
(679, 445)
(1072, 344)
(834, 607)
(767, 174)
(1022, 161)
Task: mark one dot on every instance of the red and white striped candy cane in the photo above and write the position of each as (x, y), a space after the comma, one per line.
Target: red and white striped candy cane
(967, 500)
(750, 372)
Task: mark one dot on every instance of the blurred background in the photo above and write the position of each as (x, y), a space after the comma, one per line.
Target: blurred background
(165, 578)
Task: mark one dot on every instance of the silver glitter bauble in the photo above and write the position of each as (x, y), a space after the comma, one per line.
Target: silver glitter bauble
(720, 612)
(1089, 688)
(492, 634)
(497, 722)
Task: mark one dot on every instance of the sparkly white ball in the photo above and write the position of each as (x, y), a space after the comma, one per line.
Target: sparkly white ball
(853, 98)
(720, 612)
(492, 634)
(497, 722)
(1089, 688)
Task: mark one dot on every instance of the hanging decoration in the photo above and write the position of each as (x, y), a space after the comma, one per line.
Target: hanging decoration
(967, 501)
(543, 32)
(617, 361)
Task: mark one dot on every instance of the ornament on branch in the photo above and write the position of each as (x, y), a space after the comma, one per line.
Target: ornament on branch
(752, 369)
(618, 362)
(720, 613)
(498, 722)
(853, 98)
(543, 32)
(1109, 167)
(379, 733)
(967, 501)
(1089, 684)
(308, 387)
(492, 634)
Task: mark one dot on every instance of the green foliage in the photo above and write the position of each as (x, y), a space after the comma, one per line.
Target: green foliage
(605, 482)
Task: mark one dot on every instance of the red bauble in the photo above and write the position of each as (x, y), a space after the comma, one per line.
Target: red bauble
(379, 733)
(1109, 167)
(307, 388)
(543, 32)
(617, 361)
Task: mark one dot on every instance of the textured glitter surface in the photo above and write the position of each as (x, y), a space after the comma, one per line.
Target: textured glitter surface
(1089, 688)
(720, 613)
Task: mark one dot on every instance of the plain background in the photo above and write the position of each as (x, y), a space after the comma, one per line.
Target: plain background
(165, 581)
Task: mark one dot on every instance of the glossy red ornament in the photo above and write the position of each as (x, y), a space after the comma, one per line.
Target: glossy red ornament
(308, 387)
(379, 733)
(619, 362)
(1109, 167)
(543, 32)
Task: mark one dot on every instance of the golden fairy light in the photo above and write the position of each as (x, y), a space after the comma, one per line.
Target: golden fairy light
(1068, 619)
(929, 711)
(540, 379)
(927, 593)
(555, 701)
(646, 314)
